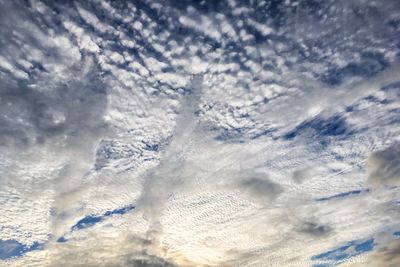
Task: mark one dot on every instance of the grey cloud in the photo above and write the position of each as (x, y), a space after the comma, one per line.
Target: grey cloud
(141, 255)
(57, 110)
(150, 262)
(301, 174)
(141, 260)
(315, 229)
(130, 251)
(387, 255)
(384, 167)
(261, 187)
(65, 92)
(142, 263)
(32, 115)
(65, 117)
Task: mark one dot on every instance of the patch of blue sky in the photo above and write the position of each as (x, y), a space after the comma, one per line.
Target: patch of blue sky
(62, 239)
(321, 265)
(152, 147)
(321, 129)
(11, 248)
(369, 64)
(91, 220)
(344, 194)
(338, 255)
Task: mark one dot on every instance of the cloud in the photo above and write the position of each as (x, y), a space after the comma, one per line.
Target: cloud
(123, 250)
(161, 181)
(102, 109)
(386, 255)
(261, 187)
(315, 229)
(302, 174)
(33, 116)
(384, 167)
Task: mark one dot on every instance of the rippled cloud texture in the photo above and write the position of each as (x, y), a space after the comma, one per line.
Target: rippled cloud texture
(200, 133)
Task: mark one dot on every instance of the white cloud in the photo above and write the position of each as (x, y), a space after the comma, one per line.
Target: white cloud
(85, 42)
(92, 19)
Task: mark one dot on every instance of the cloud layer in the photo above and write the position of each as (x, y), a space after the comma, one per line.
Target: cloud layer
(199, 133)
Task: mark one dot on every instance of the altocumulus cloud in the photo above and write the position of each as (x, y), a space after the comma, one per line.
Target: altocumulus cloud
(244, 133)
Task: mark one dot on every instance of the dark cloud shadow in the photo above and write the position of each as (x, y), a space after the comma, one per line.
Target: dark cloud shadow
(261, 187)
(384, 167)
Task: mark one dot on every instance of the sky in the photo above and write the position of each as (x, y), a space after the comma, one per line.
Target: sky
(200, 133)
